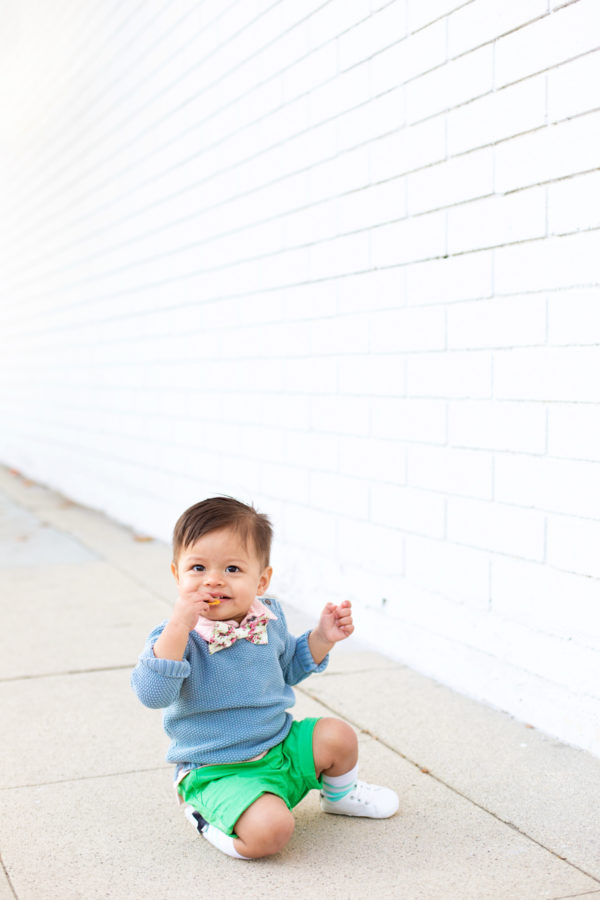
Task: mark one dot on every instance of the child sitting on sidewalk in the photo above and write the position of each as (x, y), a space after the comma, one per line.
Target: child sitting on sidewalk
(222, 667)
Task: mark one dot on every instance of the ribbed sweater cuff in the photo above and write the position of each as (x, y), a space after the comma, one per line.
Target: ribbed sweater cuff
(305, 656)
(169, 668)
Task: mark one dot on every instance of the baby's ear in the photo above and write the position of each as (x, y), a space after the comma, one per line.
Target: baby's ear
(175, 572)
(264, 581)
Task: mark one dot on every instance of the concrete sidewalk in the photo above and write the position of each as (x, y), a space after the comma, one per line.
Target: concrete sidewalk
(489, 808)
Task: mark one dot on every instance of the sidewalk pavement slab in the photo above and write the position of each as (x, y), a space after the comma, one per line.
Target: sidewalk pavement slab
(500, 812)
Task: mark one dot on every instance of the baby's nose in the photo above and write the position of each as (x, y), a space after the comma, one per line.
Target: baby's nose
(212, 577)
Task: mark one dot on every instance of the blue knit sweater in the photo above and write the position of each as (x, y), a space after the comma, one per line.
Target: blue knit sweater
(229, 706)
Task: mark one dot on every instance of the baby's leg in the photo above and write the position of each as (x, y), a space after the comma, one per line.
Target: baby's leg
(335, 751)
(335, 747)
(264, 828)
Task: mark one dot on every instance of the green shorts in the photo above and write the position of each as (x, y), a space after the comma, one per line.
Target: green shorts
(222, 793)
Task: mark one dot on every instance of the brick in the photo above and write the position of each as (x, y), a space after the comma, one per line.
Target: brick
(373, 375)
(339, 256)
(408, 509)
(409, 240)
(347, 172)
(561, 374)
(537, 595)
(574, 431)
(452, 374)
(409, 58)
(543, 654)
(308, 376)
(336, 335)
(497, 527)
(408, 149)
(409, 420)
(551, 264)
(497, 116)
(309, 72)
(573, 545)
(334, 18)
(375, 289)
(450, 85)
(460, 573)
(340, 415)
(310, 449)
(563, 486)
(574, 318)
(547, 42)
(339, 494)
(466, 473)
(372, 206)
(381, 29)
(549, 153)
(478, 23)
(420, 14)
(335, 97)
(318, 223)
(574, 204)
(378, 548)
(495, 221)
(306, 527)
(369, 458)
(493, 425)
(408, 330)
(464, 277)
(371, 120)
(452, 181)
(506, 322)
(285, 482)
(572, 86)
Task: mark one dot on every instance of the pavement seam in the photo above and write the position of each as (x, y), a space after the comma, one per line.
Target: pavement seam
(37, 784)
(8, 878)
(572, 896)
(52, 516)
(66, 672)
(426, 771)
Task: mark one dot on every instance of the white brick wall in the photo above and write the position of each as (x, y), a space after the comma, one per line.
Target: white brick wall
(342, 258)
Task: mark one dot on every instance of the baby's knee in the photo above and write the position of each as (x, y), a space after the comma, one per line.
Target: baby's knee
(273, 837)
(265, 828)
(337, 735)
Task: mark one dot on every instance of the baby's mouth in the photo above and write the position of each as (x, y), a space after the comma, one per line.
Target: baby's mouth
(217, 598)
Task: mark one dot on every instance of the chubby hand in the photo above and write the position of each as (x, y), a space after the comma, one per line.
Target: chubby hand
(190, 604)
(336, 623)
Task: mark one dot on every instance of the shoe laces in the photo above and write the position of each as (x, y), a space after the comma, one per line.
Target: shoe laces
(362, 793)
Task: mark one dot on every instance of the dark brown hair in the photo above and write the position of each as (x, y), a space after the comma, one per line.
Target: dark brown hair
(223, 512)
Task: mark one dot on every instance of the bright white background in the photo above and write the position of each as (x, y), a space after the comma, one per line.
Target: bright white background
(340, 258)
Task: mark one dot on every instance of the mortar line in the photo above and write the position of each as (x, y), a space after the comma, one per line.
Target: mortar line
(450, 787)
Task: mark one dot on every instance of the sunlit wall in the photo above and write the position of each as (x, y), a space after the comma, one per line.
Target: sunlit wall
(340, 258)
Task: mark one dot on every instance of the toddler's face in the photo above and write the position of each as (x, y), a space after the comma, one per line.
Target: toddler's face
(219, 566)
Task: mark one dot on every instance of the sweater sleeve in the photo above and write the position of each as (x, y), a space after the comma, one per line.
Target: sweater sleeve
(157, 682)
(297, 661)
(301, 663)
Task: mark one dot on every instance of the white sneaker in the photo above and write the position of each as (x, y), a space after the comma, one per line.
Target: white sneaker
(365, 800)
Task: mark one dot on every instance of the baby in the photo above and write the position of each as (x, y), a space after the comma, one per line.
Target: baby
(222, 668)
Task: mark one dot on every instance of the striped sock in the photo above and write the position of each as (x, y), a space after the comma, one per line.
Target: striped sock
(334, 787)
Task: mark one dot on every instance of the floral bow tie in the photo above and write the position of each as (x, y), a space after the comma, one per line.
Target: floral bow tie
(224, 635)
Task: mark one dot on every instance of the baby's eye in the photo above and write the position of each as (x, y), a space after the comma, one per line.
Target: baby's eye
(232, 569)
(198, 568)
